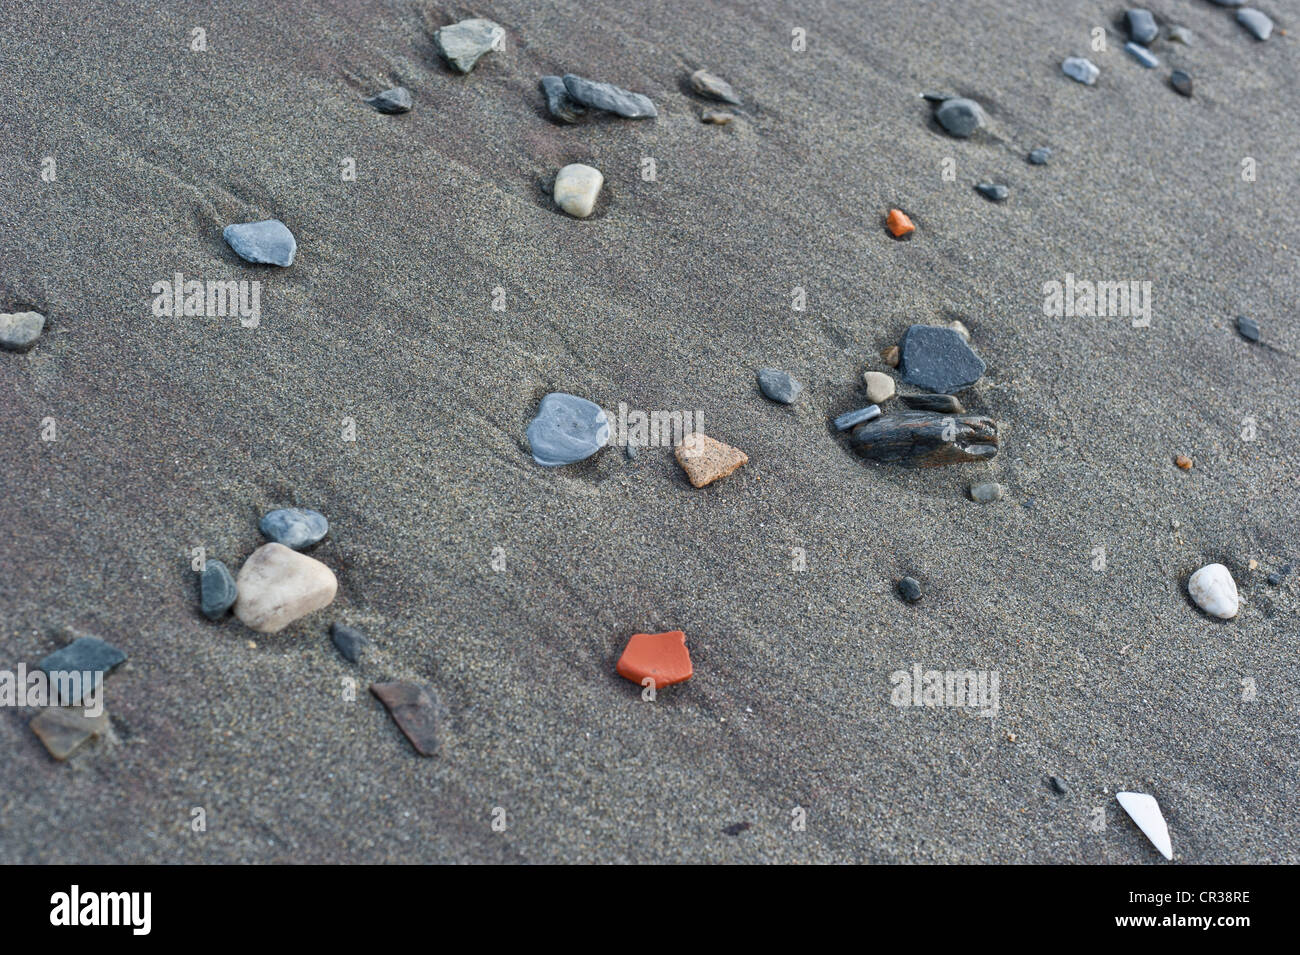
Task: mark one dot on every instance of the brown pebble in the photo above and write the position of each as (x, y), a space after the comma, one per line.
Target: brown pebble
(1184, 462)
(63, 729)
(718, 117)
(417, 711)
(705, 460)
(890, 356)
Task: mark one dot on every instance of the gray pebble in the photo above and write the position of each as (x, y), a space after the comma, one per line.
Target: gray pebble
(1274, 580)
(1247, 328)
(1142, 25)
(987, 492)
(938, 360)
(960, 116)
(19, 330)
(714, 87)
(462, 44)
(851, 418)
(1259, 24)
(295, 527)
(1083, 70)
(1040, 156)
(348, 641)
(1228, 3)
(567, 429)
(269, 241)
(1142, 55)
(84, 654)
(1181, 81)
(909, 588)
(1058, 784)
(559, 103)
(396, 100)
(217, 591)
(611, 98)
(994, 192)
(779, 386)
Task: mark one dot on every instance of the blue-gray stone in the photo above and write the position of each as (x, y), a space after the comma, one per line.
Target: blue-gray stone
(1181, 81)
(851, 418)
(85, 654)
(19, 330)
(567, 429)
(1142, 55)
(1228, 3)
(561, 105)
(1247, 328)
(1142, 25)
(779, 386)
(994, 192)
(909, 588)
(217, 591)
(1078, 68)
(269, 241)
(462, 44)
(1259, 24)
(348, 641)
(611, 98)
(296, 527)
(960, 116)
(396, 100)
(938, 359)
(1040, 155)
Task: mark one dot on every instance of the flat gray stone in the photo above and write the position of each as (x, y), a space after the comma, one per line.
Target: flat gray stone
(1181, 81)
(85, 654)
(559, 103)
(960, 116)
(295, 527)
(938, 359)
(1259, 24)
(611, 98)
(349, 641)
(64, 730)
(1141, 25)
(1247, 328)
(987, 492)
(1083, 70)
(268, 242)
(779, 386)
(396, 100)
(567, 429)
(714, 87)
(1040, 156)
(909, 588)
(217, 591)
(19, 330)
(994, 192)
(463, 44)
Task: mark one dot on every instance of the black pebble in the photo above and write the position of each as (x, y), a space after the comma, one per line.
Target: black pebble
(909, 589)
(1058, 784)
(1248, 328)
(1274, 580)
(736, 828)
(349, 642)
(994, 192)
(1181, 81)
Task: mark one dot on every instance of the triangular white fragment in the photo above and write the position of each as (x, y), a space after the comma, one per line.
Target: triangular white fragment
(1145, 811)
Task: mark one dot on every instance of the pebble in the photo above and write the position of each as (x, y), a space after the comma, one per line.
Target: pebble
(1145, 811)
(705, 460)
(736, 828)
(994, 192)
(1142, 55)
(567, 429)
(958, 326)
(1180, 34)
(217, 591)
(890, 356)
(661, 657)
(348, 641)
(1259, 24)
(960, 116)
(939, 360)
(924, 439)
(576, 188)
(1181, 81)
(19, 330)
(296, 527)
(84, 654)
(1247, 328)
(779, 386)
(1228, 3)
(1183, 462)
(1040, 155)
(1083, 70)
(1214, 591)
(947, 404)
(418, 712)
(716, 117)
(714, 87)
(396, 100)
(1058, 784)
(463, 43)
(899, 224)
(278, 586)
(880, 387)
(987, 493)
(611, 98)
(267, 242)
(63, 730)
(851, 418)
(909, 588)
(561, 105)
(1274, 580)
(1142, 25)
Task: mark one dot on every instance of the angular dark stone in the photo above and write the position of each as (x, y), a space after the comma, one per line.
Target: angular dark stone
(994, 192)
(295, 527)
(1274, 580)
(85, 654)
(1058, 784)
(559, 103)
(1141, 25)
(64, 729)
(858, 416)
(348, 641)
(960, 116)
(736, 828)
(1181, 81)
(417, 711)
(778, 385)
(396, 100)
(1247, 328)
(1040, 155)
(925, 439)
(947, 404)
(938, 359)
(217, 590)
(611, 98)
(909, 588)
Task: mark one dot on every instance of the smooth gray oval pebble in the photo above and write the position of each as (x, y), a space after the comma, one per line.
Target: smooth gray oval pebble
(267, 242)
(960, 116)
(217, 591)
(779, 386)
(567, 429)
(295, 527)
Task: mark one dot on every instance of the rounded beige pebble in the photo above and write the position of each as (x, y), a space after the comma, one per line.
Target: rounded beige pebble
(576, 188)
(1214, 591)
(278, 585)
(880, 387)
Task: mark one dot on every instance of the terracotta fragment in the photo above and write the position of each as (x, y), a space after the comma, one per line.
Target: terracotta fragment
(417, 711)
(662, 657)
(899, 224)
(705, 460)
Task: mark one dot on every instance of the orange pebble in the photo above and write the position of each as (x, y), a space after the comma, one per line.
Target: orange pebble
(662, 657)
(899, 223)
(1184, 462)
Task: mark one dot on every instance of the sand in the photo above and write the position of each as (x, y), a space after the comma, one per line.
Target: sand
(174, 433)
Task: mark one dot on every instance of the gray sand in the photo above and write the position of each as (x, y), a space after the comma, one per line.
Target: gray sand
(180, 432)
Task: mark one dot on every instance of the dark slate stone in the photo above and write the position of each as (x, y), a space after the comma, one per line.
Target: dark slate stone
(611, 98)
(779, 386)
(1142, 25)
(559, 103)
(296, 527)
(936, 98)
(960, 116)
(1058, 784)
(396, 100)
(567, 429)
(994, 192)
(944, 404)
(85, 654)
(925, 439)
(938, 359)
(1181, 80)
(417, 711)
(1274, 580)
(267, 242)
(217, 591)
(851, 418)
(348, 641)
(736, 828)
(1040, 156)
(1247, 328)
(909, 588)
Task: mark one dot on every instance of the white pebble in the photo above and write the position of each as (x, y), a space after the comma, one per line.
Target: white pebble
(880, 387)
(576, 188)
(277, 585)
(1214, 591)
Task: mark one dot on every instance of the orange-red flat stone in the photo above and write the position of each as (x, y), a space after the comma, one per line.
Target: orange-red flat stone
(660, 656)
(899, 223)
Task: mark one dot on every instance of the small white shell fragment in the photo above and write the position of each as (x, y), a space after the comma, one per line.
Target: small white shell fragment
(1145, 811)
(1214, 591)
(576, 188)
